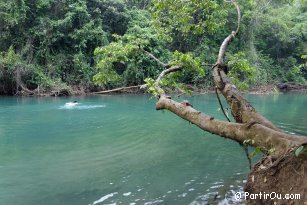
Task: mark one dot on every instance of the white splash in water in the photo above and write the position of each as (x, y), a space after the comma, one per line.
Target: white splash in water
(127, 194)
(216, 186)
(223, 202)
(183, 195)
(102, 199)
(153, 202)
(80, 107)
(217, 182)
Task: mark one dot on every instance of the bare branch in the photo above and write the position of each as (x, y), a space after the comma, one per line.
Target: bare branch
(238, 14)
(162, 74)
(241, 109)
(250, 126)
(228, 39)
(119, 89)
(265, 138)
(155, 58)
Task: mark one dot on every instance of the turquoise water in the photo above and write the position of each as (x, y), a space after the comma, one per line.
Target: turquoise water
(120, 150)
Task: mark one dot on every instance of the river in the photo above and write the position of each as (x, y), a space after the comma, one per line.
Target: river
(119, 150)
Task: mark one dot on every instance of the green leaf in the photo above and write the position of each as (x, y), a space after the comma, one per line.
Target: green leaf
(299, 151)
(256, 152)
(241, 73)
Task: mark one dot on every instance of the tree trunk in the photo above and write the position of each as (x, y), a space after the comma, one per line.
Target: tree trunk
(287, 177)
(19, 83)
(280, 171)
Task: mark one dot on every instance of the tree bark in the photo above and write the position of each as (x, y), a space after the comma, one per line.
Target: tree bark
(254, 134)
(250, 128)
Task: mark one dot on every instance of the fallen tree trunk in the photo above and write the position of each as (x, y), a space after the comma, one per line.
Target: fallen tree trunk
(119, 89)
(259, 135)
(280, 171)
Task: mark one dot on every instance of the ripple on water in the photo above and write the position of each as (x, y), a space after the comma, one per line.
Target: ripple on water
(293, 129)
(80, 156)
(220, 193)
(153, 202)
(102, 199)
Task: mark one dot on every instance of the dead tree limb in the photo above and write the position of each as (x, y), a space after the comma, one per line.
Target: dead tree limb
(159, 90)
(257, 134)
(274, 172)
(155, 58)
(120, 89)
(241, 109)
(249, 125)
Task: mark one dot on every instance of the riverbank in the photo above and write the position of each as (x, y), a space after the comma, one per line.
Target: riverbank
(277, 88)
(260, 90)
(79, 91)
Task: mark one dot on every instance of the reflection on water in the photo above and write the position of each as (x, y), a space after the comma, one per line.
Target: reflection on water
(119, 150)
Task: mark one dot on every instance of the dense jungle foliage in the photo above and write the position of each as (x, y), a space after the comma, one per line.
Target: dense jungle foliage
(87, 45)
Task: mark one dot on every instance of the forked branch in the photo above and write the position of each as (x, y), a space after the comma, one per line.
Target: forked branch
(241, 109)
(250, 126)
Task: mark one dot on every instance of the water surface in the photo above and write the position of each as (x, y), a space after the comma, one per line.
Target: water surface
(120, 150)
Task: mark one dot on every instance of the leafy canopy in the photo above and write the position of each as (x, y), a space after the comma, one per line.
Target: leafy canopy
(197, 17)
(194, 16)
(125, 58)
(241, 72)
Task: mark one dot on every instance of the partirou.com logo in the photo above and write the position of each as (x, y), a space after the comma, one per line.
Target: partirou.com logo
(264, 195)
